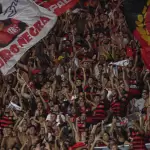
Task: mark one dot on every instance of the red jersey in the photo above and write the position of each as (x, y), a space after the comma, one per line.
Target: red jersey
(138, 142)
(116, 108)
(134, 88)
(99, 113)
(5, 121)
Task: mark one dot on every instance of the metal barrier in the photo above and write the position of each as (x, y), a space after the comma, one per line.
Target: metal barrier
(121, 147)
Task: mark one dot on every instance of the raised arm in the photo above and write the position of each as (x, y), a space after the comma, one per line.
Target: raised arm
(23, 94)
(43, 101)
(70, 80)
(84, 81)
(19, 96)
(124, 80)
(149, 92)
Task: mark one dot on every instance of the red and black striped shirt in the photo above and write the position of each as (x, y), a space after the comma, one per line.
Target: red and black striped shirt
(116, 108)
(138, 142)
(6, 121)
(99, 112)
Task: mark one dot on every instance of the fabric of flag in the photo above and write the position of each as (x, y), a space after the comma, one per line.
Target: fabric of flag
(137, 13)
(22, 25)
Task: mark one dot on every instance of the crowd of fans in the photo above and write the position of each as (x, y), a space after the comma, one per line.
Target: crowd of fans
(68, 92)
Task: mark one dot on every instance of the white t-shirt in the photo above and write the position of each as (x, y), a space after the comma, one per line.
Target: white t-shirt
(139, 103)
(57, 119)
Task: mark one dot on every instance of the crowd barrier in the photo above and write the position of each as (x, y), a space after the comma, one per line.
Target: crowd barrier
(122, 147)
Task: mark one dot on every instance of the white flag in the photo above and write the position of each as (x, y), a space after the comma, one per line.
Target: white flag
(14, 106)
(121, 63)
(22, 25)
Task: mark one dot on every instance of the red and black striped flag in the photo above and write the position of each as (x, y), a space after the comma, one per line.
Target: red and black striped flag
(137, 13)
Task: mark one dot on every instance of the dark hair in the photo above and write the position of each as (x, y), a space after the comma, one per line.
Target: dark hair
(1, 9)
(32, 126)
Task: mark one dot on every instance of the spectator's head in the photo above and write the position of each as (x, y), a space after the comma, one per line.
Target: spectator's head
(145, 94)
(32, 130)
(106, 137)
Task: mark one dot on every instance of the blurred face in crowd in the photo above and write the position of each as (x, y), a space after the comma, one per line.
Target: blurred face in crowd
(145, 94)
(106, 137)
(102, 59)
(114, 147)
(30, 63)
(130, 65)
(7, 112)
(83, 117)
(97, 99)
(56, 108)
(105, 17)
(47, 85)
(133, 76)
(9, 131)
(15, 99)
(73, 111)
(78, 83)
(122, 85)
(114, 92)
(81, 102)
(38, 99)
(32, 130)
(85, 64)
(91, 138)
(102, 17)
(51, 104)
(24, 127)
(39, 106)
(53, 117)
(148, 111)
(40, 78)
(90, 81)
(42, 131)
(52, 46)
(89, 17)
(9, 79)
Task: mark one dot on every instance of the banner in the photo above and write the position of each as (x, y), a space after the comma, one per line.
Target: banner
(57, 6)
(14, 106)
(120, 63)
(22, 25)
(137, 13)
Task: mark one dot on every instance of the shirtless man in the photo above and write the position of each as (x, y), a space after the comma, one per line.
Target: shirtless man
(33, 136)
(9, 141)
(23, 136)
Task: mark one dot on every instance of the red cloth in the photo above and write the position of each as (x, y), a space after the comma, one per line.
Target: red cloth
(77, 145)
(129, 52)
(146, 56)
(35, 71)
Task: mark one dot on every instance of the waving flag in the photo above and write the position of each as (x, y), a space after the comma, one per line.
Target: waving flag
(57, 6)
(22, 25)
(137, 14)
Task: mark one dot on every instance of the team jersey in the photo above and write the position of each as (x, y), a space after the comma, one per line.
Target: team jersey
(99, 113)
(133, 88)
(138, 142)
(6, 121)
(116, 108)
